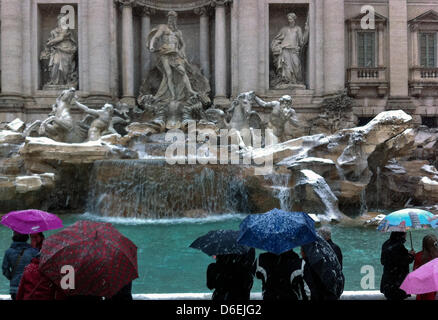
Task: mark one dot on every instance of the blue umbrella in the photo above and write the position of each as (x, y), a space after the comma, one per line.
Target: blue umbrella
(277, 231)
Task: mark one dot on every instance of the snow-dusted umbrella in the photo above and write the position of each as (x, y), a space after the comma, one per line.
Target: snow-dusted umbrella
(220, 242)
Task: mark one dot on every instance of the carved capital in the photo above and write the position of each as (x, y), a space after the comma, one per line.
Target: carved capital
(220, 3)
(202, 11)
(125, 3)
(146, 11)
(414, 27)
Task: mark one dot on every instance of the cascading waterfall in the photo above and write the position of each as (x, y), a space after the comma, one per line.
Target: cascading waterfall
(154, 189)
(281, 189)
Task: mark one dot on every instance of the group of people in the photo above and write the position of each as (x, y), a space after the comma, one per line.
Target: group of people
(396, 260)
(284, 277)
(21, 267)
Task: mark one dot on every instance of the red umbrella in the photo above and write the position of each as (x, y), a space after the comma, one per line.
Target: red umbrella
(103, 260)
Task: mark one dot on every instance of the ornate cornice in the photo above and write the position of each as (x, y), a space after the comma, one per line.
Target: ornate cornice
(202, 11)
(220, 3)
(180, 5)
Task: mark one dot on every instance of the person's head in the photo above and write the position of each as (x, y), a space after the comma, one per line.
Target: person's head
(36, 240)
(292, 17)
(398, 236)
(172, 18)
(325, 232)
(430, 248)
(19, 237)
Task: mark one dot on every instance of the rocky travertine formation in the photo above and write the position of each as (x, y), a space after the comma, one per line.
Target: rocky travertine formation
(347, 159)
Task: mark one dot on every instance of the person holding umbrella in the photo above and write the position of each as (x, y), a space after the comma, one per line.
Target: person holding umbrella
(16, 258)
(282, 276)
(231, 276)
(429, 252)
(280, 269)
(21, 253)
(395, 259)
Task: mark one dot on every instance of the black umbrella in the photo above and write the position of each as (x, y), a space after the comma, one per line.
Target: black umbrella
(220, 242)
(322, 259)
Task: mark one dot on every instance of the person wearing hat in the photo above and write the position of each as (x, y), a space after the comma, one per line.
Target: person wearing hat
(16, 258)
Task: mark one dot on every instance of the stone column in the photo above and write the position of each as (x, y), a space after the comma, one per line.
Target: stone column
(204, 40)
(99, 51)
(220, 52)
(334, 46)
(398, 48)
(145, 30)
(127, 52)
(12, 52)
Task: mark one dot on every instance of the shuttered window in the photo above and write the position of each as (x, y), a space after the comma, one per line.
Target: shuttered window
(366, 49)
(428, 49)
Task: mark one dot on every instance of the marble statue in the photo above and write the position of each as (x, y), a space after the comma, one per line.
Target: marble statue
(180, 79)
(59, 126)
(103, 122)
(60, 56)
(281, 115)
(287, 48)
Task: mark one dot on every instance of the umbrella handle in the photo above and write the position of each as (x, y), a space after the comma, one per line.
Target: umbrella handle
(410, 236)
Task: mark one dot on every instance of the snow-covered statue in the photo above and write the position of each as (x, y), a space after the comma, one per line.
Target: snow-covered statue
(103, 122)
(283, 117)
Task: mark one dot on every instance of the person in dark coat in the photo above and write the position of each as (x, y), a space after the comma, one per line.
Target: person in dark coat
(16, 258)
(326, 233)
(282, 276)
(232, 276)
(395, 259)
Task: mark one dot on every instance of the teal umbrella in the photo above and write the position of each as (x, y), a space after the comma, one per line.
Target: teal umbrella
(408, 219)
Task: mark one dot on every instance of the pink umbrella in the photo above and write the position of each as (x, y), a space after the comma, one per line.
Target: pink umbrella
(31, 221)
(422, 280)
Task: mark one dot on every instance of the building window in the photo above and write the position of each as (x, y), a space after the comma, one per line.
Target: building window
(431, 122)
(366, 51)
(428, 49)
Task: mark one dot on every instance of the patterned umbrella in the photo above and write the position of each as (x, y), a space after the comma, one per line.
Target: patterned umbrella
(103, 260)
(31, 221)
(219, 242)
(408, 219)
(277, 231)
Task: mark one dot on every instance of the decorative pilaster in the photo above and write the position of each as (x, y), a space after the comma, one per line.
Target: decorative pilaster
(204, 40)
(220, 52)
(380, 29)
(414, 34)
(12, 52)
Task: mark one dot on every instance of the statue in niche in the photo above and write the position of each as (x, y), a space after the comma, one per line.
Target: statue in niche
(282, 114)
(180, 79)
(59, 56)
(287, 49)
